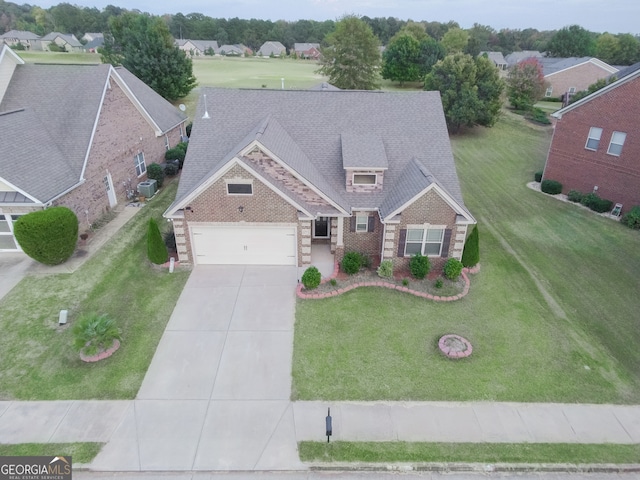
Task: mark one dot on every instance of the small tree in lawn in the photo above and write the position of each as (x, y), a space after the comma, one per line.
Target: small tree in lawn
(471, 252)
(525, 84)
(156, 248)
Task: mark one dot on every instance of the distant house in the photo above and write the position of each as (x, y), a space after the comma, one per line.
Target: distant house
(15, 37)
(570, 75)
(90, 37)
(307, 50)
(93, 45)
(68, 42)
(516, 57)
(79, 136)
(236, 50)
(497, 58)
(197, 48)
(272, 49)
(596, 142)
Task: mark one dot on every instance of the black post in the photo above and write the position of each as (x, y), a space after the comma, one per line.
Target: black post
(328, 423)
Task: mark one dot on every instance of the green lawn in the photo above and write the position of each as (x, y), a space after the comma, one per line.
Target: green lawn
(59, 57)
(468, 452)
(80, 452)
(552, 315)
(37, 361)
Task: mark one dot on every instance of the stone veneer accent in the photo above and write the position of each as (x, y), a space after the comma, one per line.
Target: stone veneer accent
(266, 165)
(376, 187)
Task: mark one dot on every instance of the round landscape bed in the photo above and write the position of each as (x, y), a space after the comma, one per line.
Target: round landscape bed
(101, 355)
(455, 346)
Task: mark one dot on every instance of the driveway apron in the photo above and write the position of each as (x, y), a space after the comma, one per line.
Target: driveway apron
(217, 393)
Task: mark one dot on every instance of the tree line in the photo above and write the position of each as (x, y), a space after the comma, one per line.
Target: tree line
(616, 49)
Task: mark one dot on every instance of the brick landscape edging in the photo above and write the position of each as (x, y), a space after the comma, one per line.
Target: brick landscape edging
(384, 284)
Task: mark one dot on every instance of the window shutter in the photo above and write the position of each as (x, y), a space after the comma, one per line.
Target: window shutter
(401, 241)
(353, 223)
(446, 241)
(372, 224)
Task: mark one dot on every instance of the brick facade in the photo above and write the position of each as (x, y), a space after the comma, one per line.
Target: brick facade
(121, 133)
(579, 77)
(369, 242)
(569, 162)
(214, 205)
(429, 209)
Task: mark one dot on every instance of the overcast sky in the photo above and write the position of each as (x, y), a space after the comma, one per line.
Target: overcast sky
(614, 16)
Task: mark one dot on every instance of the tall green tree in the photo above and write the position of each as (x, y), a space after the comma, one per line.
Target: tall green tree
(455, 40)
(401, 59)
(351, 58)
(573, 41)
(470, 91)
(628, 50)
(607, 48)
(143, 45)
(525, 84)
(431, 51)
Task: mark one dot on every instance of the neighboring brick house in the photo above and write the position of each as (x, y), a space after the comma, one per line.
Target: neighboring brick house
(571, 75)
(497, 58)
(307, 50)
(76, 135)
(67, 41)
(271, 173)
(272, 49)
(596, 142)
(15, 37)
(197, 48)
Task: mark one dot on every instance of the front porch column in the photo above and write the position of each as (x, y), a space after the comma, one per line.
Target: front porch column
(340, 239)
(181, 240)
(305, 242)
(389, 240)
(460, 237)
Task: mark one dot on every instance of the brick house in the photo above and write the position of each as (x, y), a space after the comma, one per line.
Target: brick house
(571, 75)
(275, 49)
(76, 135)
(307, 50)
(270, 174)
(596, 142)
(14, 37)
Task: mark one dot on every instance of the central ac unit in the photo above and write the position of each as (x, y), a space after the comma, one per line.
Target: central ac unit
(147, 188)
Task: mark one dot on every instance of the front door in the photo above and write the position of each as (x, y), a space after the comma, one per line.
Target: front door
(321, 227)
(108, 184)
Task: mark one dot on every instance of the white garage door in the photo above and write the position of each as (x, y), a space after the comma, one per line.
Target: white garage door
(251, 245)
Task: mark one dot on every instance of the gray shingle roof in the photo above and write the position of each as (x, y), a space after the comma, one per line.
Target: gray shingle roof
(409, 125)
(626, 71)
(54, 111)
(303, 47)
(20, 35)
(70, 39)
(363, 151)
(415, 178)
(163, 113)
(275, 48)
(495, 57)
(516, 57)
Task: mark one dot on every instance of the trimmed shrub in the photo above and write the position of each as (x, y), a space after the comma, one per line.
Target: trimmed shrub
(188, 129)
(539, 116)
(552, 187)
(95, 333)
(419, 266)
(632, 218)
(311, 278)
(156, 249)
(595, 203)
(169, 239)
(385, 270)
(405, 282)
(171, 169)
(333, 282)
(176, 153)
(574, 196)
(538, 176)
(48, 236)
(438, 283)
(471, 252)
(452, 269)
(351, 262)
(183, 146)
(155, 172)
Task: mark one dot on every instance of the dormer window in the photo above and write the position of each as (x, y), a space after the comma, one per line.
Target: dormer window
(364, 179)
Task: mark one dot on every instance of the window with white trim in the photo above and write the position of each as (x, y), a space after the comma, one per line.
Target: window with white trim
(166, 142)
(593, 140)
(572, 90)
(548, 92)
(141, 167)
(364, 178)
(362, 223)
(426, 241)
(616, 143)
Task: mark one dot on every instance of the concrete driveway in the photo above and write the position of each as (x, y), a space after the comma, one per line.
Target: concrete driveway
(216, 395)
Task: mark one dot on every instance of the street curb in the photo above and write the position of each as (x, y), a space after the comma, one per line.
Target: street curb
(477, 467)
